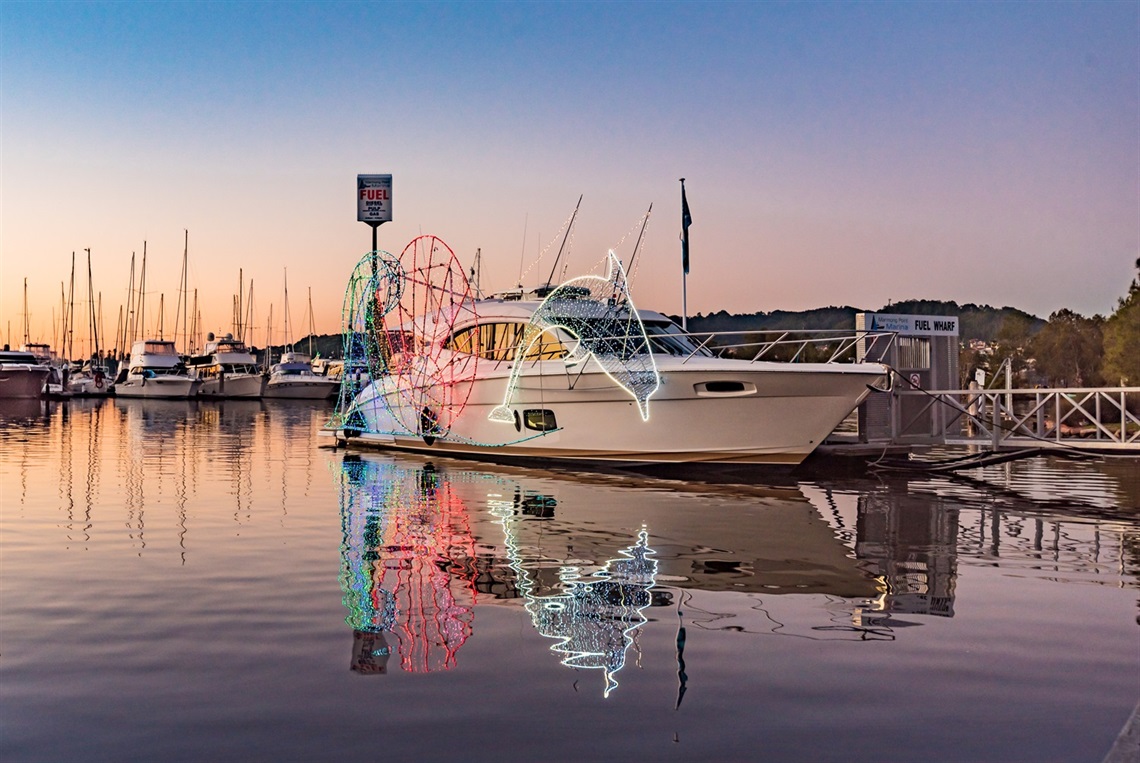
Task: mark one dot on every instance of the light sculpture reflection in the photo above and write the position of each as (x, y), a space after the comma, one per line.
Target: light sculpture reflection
(598, 312)
(407, 566)
(595, 618)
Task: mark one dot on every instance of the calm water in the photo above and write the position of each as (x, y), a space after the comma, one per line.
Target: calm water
(193, 581)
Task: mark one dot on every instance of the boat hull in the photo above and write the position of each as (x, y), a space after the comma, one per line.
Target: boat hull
(22, 382)
(301, 390)
(723, 413)
(164, 387)
(233, 386)
(87, 386)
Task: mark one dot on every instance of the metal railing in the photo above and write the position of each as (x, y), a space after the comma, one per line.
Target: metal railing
(792, 346)
(1103, 418)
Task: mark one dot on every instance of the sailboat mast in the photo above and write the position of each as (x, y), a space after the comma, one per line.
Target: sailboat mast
(312, 327)
(269, 339)
(182, 308)
(238, 317)
(26, 321)
(248, 325)
(128, 323)
(194, 328)
(119, 330)
(68, 345)
(93, 326)
(142, 291)
(288, 340)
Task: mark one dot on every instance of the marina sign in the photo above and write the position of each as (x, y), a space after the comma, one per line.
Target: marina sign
(374, 199)
(913, 325)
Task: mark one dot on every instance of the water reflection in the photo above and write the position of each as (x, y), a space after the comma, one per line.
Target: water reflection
(421, 543)
(792, 599)
(407, 565)
(592, 615)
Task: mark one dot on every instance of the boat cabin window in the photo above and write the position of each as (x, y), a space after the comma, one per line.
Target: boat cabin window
(498, 341)
(160, 348)
(539, 420)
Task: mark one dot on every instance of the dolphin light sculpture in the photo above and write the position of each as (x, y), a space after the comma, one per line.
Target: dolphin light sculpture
(597, 311)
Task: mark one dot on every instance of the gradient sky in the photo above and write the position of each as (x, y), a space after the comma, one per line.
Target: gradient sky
(835, 154)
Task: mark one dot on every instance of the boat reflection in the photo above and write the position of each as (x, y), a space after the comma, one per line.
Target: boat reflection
(586, 556)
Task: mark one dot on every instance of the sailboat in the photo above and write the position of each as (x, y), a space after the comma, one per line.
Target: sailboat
(292, 377)
(92, 379)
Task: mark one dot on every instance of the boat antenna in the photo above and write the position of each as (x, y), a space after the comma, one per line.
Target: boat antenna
(565, 238)
(476, 271)
(522, 254)
(637, 246)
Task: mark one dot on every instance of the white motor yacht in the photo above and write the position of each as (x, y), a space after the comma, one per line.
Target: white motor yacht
(227, 369)
(293, 377)
(22, 376)
(577, 373)
(156, 370)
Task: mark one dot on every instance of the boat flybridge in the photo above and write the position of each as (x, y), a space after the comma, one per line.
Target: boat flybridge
(573, 372)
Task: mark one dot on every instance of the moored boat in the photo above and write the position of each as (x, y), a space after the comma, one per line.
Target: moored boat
(574, 373)
(292, 377)
(22, 376)
(56, 385)
(155, 370)
(227, 369)
(91, 380)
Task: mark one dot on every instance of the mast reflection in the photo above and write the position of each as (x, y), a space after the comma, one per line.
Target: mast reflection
(407, 566)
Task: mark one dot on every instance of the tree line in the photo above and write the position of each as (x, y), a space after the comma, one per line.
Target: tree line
(1069, 350)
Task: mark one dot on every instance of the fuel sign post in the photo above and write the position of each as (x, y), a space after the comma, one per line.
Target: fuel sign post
(374, 201)
(373, 206)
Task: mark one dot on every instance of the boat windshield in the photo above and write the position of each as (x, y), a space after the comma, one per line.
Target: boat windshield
(667, 339)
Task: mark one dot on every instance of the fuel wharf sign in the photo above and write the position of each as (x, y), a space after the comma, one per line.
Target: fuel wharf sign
(913, 325)
(374, 199)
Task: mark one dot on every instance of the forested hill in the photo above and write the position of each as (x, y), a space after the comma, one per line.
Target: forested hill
(974, 321)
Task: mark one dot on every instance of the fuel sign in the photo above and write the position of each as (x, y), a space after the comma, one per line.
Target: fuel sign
(374, 199)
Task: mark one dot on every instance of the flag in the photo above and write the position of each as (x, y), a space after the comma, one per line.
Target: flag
(686, 221)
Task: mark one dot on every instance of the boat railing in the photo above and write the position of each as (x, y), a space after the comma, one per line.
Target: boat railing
(792, 345)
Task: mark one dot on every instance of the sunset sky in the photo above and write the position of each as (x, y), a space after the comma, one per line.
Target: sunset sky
(834, 154)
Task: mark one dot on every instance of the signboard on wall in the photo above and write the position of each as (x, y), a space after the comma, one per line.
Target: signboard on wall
(913, 325)
(374, 199)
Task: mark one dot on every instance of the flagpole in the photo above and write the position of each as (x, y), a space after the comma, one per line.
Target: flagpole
(686, 219)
